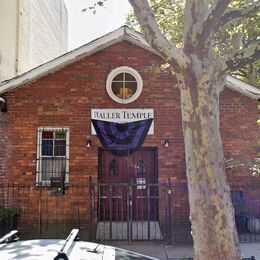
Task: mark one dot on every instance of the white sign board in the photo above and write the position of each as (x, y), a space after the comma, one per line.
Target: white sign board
(140, 183)
(122, 116)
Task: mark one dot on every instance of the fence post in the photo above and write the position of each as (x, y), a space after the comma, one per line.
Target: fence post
(149, 209)
(169, 200)
(129, 210)
(40, 210)
(110, 210)
(92, 206)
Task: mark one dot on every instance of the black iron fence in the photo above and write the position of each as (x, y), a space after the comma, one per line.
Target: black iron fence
(122, 211)
(44, 212)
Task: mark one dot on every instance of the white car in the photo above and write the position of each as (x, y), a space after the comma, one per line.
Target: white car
(69, 249)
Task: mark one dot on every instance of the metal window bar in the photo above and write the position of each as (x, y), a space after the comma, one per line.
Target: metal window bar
(52, 155)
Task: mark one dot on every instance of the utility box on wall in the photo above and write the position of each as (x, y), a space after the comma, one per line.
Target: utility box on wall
(57, 184)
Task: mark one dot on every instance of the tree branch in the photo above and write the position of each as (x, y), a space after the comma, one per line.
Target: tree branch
(242, 58)
(194, 14)
(154, 37)
(217, 11)
(249, 159)
(239, 72)
(238, 14)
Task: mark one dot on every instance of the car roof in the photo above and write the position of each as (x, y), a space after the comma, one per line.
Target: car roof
(45, 249)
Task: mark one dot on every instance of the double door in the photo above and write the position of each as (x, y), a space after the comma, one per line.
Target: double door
(128, 186)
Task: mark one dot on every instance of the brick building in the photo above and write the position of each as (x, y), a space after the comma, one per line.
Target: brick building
(46, 137)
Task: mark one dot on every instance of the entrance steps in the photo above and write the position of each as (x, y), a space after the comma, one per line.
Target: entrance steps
(141, 230)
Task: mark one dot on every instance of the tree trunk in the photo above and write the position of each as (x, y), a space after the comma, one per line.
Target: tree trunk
(211, 211)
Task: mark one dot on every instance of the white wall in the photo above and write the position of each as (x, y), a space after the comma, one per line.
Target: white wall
(41, 36)
(8, 38)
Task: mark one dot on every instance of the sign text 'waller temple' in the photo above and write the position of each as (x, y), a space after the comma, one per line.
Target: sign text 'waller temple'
(122, 116)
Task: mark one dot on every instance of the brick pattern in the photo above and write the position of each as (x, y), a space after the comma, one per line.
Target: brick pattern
(5, 150)
(66, 97)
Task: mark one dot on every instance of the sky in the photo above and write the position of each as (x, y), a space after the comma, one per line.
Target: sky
(84, 27)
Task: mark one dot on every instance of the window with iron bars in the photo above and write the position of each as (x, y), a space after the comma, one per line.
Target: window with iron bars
(52, 155)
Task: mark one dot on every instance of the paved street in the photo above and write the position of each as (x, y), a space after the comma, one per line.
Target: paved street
(165, 252)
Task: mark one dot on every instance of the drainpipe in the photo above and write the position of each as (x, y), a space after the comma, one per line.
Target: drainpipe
(3, 105)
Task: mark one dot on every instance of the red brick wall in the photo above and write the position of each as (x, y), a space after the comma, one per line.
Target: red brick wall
(3, 123)
(66, 97)
(240, 133)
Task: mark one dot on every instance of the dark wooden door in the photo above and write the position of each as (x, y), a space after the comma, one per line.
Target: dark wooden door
(143, 175)
(127, 186)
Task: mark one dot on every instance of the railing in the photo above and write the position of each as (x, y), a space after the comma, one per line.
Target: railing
(41, 212)
(126, 211)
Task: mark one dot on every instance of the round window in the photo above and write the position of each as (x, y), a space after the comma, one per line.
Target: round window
(124, 85)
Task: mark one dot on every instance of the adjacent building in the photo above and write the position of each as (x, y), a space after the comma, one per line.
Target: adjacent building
(32, 32)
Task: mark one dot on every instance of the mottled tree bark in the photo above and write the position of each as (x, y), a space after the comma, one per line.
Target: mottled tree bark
(211, 211)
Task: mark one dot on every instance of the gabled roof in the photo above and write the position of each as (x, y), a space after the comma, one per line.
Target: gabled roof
(122, 34)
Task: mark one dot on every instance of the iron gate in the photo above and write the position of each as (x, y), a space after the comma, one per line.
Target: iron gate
(128, 211)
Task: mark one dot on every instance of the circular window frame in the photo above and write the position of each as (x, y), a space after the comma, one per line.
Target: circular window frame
(134, 73)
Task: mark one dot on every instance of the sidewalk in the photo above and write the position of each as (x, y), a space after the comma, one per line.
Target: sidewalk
(164, 252)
